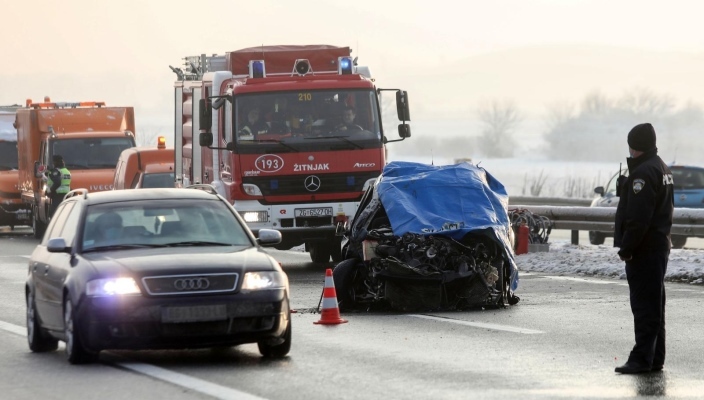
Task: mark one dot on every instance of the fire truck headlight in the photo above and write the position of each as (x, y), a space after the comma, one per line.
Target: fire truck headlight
(252, 190)
(255, 216)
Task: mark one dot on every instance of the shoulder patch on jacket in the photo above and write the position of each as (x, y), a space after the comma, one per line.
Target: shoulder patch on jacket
(638, 185)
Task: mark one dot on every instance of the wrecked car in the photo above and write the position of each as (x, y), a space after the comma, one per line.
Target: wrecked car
(429, 238)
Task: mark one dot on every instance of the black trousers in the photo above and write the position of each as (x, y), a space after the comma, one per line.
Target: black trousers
(56, 199)
(646, 282)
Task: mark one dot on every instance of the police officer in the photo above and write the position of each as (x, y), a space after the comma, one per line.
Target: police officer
(642, 232)
(59, 181)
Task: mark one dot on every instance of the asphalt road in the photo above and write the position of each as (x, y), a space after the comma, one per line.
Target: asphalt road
(561, 341)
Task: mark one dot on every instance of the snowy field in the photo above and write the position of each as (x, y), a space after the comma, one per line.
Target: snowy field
(685, 265)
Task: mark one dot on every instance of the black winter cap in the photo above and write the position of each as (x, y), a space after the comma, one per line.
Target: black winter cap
(642, 137)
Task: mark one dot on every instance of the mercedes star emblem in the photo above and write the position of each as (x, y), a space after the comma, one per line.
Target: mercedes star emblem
(312, 183)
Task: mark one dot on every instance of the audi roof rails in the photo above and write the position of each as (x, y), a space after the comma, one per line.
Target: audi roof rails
(77, 192)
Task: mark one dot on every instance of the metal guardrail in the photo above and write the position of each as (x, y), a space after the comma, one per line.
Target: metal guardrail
(554, 201)
(685, 221)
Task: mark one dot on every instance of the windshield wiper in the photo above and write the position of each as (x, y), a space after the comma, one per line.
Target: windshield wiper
(343, 138)
(122, 247)
(277, 142)
(197, 243)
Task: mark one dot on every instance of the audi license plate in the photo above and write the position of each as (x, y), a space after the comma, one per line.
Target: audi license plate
(194, 313)
(313, 212)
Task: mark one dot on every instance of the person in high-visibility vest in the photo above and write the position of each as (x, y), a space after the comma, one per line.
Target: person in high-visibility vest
(59, 181)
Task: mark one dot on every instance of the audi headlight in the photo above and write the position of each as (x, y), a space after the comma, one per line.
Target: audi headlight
(112, 287)
(263, 280)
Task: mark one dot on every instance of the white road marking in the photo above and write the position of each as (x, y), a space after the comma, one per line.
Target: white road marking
(12, 328)
(483, 325)
(584, 280)
(185, 381)
(188, 382)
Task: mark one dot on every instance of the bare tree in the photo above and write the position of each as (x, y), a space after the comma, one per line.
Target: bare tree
(645, 102)
(596, 103)
(559, 112)
(147, 136)
(499, 118)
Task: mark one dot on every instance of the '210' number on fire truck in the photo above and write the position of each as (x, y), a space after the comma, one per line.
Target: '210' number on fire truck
(269, 163)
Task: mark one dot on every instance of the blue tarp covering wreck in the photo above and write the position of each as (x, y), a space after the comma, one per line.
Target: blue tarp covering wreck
(448, 200)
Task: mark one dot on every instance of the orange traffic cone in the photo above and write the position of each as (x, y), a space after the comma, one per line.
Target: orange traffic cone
(330, 314)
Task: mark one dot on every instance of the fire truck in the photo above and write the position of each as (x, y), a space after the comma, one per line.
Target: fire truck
(89, 135)
(290, 135)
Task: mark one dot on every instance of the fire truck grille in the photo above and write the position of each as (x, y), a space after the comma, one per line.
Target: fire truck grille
(311, 183)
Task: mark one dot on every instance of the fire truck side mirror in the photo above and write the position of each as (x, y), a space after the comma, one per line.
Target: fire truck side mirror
(404, 131)
(37, 170)
(402, 106)
(206, 116)
(205, 139)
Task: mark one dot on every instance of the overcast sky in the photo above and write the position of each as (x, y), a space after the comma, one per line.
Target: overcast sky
(119, 51)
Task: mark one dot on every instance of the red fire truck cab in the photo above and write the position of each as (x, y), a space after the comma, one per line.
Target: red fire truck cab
(291, 135)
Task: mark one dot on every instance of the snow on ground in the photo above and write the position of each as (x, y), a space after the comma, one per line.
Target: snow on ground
(564, 258)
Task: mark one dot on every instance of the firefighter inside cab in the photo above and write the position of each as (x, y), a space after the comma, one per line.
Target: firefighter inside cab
(59, 182)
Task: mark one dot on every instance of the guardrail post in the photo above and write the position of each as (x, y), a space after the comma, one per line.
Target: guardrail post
(575, 236)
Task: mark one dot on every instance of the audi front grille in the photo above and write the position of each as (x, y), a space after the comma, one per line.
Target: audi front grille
(190, 284)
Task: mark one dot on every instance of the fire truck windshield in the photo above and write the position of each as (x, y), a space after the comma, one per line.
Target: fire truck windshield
(8, 155)
(93, 153)
(306, 120)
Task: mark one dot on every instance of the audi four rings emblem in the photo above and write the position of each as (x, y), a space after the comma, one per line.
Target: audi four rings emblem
(312, 183)
(192, 284)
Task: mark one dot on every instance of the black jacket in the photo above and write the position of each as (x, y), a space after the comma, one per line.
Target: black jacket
(644, 213)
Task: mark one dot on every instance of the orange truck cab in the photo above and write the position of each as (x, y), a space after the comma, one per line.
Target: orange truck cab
(145, 167)
(89, 136)
(12, 211)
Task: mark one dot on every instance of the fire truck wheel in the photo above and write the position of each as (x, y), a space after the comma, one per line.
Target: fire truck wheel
(38, 226)
(336, 249)
(320, 252)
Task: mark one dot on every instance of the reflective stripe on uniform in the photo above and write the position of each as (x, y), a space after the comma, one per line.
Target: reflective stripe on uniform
(65, 181)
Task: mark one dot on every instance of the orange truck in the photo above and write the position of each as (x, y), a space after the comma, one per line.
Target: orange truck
(145, 167)
(12, 211)
(89, 136)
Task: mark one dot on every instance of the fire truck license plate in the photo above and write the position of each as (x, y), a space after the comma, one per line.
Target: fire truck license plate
(313, 212)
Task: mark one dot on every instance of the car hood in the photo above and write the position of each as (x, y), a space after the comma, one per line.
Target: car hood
(167, 261)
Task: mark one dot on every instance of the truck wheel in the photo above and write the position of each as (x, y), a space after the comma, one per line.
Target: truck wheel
(596, 238)
(320, 252)
(678, 241)
(336, 249)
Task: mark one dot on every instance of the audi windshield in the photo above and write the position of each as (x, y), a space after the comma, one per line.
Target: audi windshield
(162, 223)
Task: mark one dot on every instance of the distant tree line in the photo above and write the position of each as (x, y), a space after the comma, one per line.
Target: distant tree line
(597, 129)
